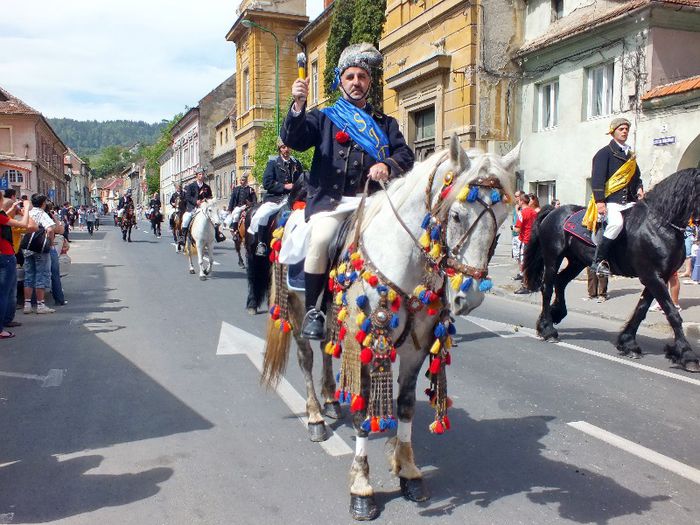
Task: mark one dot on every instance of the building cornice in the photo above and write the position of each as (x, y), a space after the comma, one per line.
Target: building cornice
(437, 12)
(431, 66)
(256, 15)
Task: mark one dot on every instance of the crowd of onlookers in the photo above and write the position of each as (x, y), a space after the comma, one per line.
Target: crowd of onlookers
(525, 211)
(34, 236)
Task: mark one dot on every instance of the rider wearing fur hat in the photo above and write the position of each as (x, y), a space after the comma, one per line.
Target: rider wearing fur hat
(617, 184)
(353, 142)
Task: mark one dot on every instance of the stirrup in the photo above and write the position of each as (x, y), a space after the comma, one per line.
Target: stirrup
(261, 249)
(602, 268)
(313, 326)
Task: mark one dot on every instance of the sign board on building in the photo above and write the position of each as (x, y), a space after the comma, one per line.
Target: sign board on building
(664, 141)
(52, 194)
(4, 183)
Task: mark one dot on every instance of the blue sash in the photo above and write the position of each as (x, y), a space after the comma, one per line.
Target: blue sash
(361, 127)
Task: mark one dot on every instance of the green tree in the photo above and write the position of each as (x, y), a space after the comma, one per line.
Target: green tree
(152, 153)
(110, 161)
(339, 37)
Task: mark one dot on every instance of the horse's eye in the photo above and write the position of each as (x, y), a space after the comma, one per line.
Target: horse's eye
(455, 217)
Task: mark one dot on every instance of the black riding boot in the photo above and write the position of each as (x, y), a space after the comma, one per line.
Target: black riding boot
(261, 248)
(600, 264)
(314, 321)
(220, 237)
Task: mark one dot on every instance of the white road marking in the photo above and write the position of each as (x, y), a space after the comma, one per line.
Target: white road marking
(672, 465)
(217, 263)
(509, 331)
(234, 341)
(54, 377)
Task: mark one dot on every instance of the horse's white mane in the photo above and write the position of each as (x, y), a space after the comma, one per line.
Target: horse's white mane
(481, 165)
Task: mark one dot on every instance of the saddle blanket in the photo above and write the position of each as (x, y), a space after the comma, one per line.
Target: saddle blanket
(297, 232)
(573, 226)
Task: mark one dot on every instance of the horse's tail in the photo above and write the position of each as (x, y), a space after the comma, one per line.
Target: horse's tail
(278, 341)
(533, 261)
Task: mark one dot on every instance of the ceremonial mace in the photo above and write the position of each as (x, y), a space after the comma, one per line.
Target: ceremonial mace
(301, 63)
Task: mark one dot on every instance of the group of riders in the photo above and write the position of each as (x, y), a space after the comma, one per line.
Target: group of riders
(354, 149)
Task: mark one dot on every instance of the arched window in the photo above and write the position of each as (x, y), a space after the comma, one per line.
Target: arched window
(14, 176)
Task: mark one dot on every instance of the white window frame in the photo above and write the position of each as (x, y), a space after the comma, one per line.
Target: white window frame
(14, 176)
(246, 89)
(607, 70)
(548, 92)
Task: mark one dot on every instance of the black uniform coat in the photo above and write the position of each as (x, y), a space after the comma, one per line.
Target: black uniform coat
(154, 203)
(340, 169)
(193, 193)
(183, 201)
(241, 195)
(277, 174)
(605, 163)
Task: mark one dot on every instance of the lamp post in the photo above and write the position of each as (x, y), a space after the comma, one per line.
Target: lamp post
(249, 23)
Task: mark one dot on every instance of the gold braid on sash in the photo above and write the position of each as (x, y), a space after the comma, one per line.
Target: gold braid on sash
(619, 180)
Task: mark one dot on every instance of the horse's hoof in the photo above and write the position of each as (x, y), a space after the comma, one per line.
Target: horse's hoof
(251, 311)
(202, 277)
(191, 271)
(414, 489)
(317, 432)
(332, 410)
(692, 366)
(363, 508)
(552, 340)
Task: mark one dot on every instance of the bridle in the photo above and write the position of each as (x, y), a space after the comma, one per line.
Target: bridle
(446, 263)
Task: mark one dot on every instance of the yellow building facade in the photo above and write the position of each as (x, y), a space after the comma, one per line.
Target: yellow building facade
(255, 67)
(314, 39)
(446, 71)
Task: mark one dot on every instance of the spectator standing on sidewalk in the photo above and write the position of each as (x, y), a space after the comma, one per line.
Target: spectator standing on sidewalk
(524, 229)
(8, 264)
(90, 220)
(690, 235)
(37, 266)
(597, 286)
(515, 241)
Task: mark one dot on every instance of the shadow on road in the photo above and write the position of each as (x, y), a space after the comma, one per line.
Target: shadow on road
(104, 400)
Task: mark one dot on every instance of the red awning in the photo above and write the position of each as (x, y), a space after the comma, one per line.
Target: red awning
(13, 167)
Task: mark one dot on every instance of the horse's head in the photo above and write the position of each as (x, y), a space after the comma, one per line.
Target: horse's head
(209, 210)
(474, 210)
(299, 191)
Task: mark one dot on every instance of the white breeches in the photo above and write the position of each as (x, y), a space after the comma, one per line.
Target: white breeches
(187, 218)
(262, 216)
(614, 217)
(323, 230)
(236, 214)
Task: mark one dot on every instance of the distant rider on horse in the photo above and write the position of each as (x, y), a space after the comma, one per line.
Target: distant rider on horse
(617, 184)
(177, 201)
(353, 142)
(195, 193)
(280, 175)
(242, 197)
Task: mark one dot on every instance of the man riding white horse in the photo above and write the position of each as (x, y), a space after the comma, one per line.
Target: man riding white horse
(353, 142)
(196, 193)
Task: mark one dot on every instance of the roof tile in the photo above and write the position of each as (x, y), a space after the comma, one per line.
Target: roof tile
(674, 88)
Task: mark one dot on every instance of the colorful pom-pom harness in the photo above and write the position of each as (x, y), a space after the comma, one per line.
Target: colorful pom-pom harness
(364, 337)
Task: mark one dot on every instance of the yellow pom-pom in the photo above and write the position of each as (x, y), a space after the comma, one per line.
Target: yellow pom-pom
(435, 251)
(391, 296)
(360, 318)
(278, 233)
(339, 298)
(329, 348)
(418, 289)
(333, 274)
(278, 323)
(355, 255)
(342, 268)
(367, 341)
(462, 195)
(366, 275)
(424, 239)
(448, 342)
(342, 314)
(456, 281)
(436, 347)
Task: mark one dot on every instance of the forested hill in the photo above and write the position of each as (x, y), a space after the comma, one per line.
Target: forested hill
(90, 136)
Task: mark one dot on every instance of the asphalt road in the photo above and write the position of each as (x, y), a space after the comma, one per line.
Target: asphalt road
(139, 403)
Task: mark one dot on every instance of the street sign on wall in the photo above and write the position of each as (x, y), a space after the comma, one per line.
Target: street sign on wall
(4, 183)
(52, 194)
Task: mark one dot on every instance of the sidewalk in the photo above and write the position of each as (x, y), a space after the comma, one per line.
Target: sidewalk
(623, 292)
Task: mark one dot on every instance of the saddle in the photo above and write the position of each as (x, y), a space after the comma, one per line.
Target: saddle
(572, 226)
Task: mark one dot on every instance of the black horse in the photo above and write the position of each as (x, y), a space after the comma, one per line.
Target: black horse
(650, 247)
(258, 267)
(156, 218)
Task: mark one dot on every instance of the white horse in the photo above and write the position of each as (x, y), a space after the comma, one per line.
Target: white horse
(421, 254)
(202, 227)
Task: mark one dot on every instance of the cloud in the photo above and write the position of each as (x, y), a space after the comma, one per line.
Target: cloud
(109, 59)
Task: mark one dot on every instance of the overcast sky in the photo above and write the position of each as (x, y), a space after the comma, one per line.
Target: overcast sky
(116, 59)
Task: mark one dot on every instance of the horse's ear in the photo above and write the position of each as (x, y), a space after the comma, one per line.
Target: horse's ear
(510, 160)
(457, 155)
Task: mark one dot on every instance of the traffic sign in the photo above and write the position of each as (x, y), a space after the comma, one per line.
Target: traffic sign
(4, 183)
